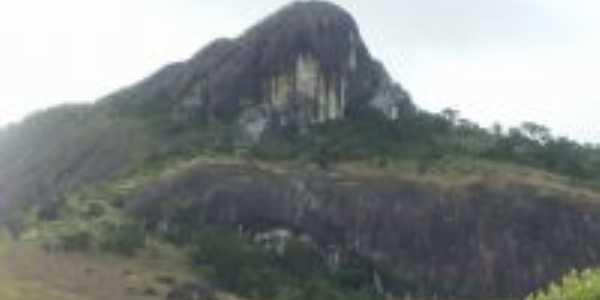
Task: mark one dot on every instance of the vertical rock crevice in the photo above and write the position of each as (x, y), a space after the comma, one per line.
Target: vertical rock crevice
(306, 64)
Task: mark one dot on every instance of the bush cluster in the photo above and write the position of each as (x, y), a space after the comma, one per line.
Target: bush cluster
(239, 265)
(583, 285)
(124, 239)
(427, 137)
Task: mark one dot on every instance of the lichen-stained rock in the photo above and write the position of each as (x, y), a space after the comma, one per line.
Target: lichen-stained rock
(253, 122)
(392, 100)
(305, 64)
(483, 240)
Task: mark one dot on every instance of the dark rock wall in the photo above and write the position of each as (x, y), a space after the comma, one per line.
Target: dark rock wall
(262, 69)
(480, 240)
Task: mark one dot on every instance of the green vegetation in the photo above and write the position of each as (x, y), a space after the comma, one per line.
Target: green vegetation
(124, 238)
(583, 285)
(93, 220)
(85, 204)
(427, 138)
(100, 191)
(29, 273)
(299, 272)
(84, 222)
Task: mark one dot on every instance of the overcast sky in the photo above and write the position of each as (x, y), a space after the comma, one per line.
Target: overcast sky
(494, 60)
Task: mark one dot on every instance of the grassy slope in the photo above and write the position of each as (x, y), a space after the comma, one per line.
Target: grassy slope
(452, 172)
(29, 273)
(446, 173)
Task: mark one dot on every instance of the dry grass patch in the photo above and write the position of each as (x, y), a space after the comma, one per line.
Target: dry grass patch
(29, 273)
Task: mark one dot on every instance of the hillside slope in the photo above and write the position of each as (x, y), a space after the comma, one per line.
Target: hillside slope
(29, 273)
(490, 235)
(286, 163)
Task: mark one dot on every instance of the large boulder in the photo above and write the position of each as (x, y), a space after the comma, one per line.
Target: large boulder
(303, 65)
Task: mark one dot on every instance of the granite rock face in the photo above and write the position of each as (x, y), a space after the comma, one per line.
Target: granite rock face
(305, 64)
(483, 240)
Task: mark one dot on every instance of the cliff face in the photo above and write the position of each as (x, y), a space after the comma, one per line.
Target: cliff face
(305, 64)
(480, 240)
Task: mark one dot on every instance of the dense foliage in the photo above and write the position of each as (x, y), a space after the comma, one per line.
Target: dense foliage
(83, 223)
(427, 137)
(575, 286)
(298, 272)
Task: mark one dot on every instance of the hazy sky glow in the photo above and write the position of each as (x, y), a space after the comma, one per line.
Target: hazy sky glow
(507, 61)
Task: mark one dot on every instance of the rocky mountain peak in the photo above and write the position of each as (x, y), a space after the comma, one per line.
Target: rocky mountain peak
(319, 29)
(305, 64)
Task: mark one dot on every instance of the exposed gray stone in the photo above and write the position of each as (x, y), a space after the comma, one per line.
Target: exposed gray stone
(391, 100)
(253, 123)
(304, 65)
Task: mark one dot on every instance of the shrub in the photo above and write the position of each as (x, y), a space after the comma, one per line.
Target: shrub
(94, 210)
(230, 257)
(321, 290)
(243, 267)
(80, 240)
(301, 260)
(124, 239)
(575, 286)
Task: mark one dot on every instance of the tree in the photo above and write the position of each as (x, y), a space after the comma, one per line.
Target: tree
(497, 129)
(451, 115)
(537, 132)
(575, 286)
(124, 239)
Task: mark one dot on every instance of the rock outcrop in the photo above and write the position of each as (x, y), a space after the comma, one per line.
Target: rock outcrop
(488, 239)
(304, 65)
